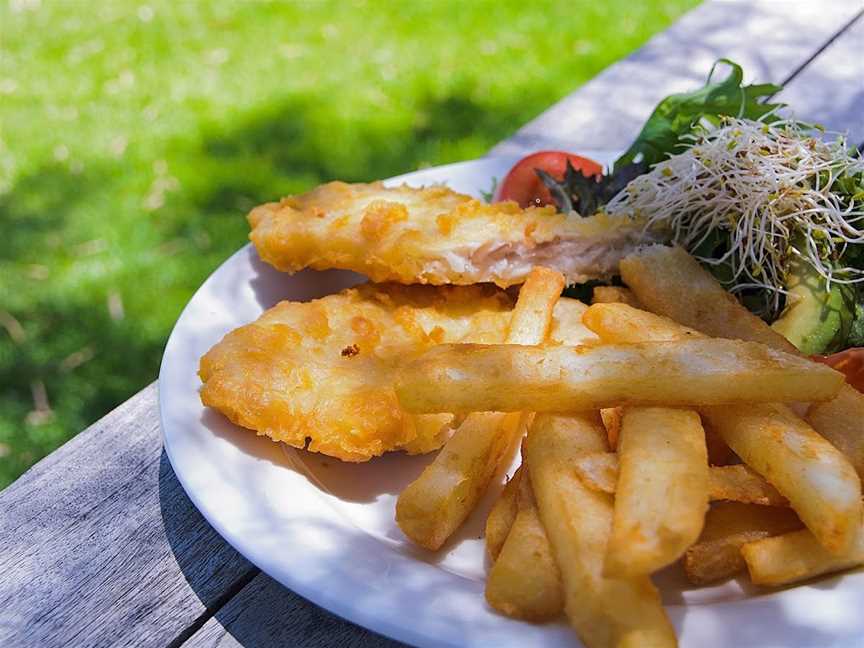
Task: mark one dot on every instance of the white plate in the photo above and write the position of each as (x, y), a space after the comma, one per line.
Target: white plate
(325, 529)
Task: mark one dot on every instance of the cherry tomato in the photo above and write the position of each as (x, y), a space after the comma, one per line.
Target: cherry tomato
(522, 184)
(849, 362)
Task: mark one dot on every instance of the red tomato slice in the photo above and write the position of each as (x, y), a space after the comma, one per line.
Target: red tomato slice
(849, 362)
(522, 184)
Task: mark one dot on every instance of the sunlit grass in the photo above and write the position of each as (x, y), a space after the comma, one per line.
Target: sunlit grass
(135, 136)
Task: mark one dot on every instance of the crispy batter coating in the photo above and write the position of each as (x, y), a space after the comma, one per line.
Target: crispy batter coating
(324, 370)
(434, 236)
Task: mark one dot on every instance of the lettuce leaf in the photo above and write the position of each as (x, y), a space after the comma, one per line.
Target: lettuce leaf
(677, 114)
(578, 193)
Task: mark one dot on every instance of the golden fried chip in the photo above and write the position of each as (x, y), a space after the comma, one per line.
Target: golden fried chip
(502, 515)
(728, 527)
(797, 556)
(604, 611)
(509, 377)
(525, 581)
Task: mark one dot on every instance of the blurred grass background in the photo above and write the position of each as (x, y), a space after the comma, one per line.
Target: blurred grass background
(135, 136)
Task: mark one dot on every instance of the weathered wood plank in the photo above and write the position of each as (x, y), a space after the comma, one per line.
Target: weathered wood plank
(99, 545)
(830, 91)
(267, 614)
(772, 39)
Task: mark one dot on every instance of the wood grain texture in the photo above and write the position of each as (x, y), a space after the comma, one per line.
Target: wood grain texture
(771, 39)
(830, 91)
(265, 613)
(99, 545)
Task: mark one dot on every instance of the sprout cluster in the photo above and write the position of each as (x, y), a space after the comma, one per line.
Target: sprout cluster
(771, 190)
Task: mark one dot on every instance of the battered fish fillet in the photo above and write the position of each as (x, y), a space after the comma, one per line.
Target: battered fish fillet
(323, 371)
(435, 236)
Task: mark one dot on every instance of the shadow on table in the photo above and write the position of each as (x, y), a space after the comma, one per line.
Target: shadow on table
(238, 599)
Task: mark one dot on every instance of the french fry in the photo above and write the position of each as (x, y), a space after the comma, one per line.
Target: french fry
(670, 282)
(502, 515)
(611, 417)
(533, 314)
(604, 611)
(819, 482)
(728, 526)
(662, 490)
(624, 324)
(567, 326)
(433, 506)
(609, 295)
(739, 483)
(525, 582)
(614, 294)
(736, 483)
(509, 378)
(598, 470)
(797, 556)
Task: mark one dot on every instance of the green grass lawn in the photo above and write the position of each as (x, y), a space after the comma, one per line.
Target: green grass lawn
(135, 136)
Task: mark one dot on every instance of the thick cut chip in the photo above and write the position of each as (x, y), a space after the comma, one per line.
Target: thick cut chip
(728, 527)
(567, 326)
(736, 483)
(670, 282)
(740, 483)
(662, 491)
(502, 515)
(508, 378)
(433, 506)
(604, 611)
(612, 422)
(820, 484)
(613, 295)
(624, 324)
(797, 556)
(525, 582)
(435, 235)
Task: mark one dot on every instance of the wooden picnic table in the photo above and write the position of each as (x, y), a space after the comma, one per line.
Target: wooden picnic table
(99, 544)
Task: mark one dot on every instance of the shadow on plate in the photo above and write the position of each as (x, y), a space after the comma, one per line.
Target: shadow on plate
(270, 285)
(350, 482)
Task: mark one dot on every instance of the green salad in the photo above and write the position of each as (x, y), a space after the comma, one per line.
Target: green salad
(772, 206)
